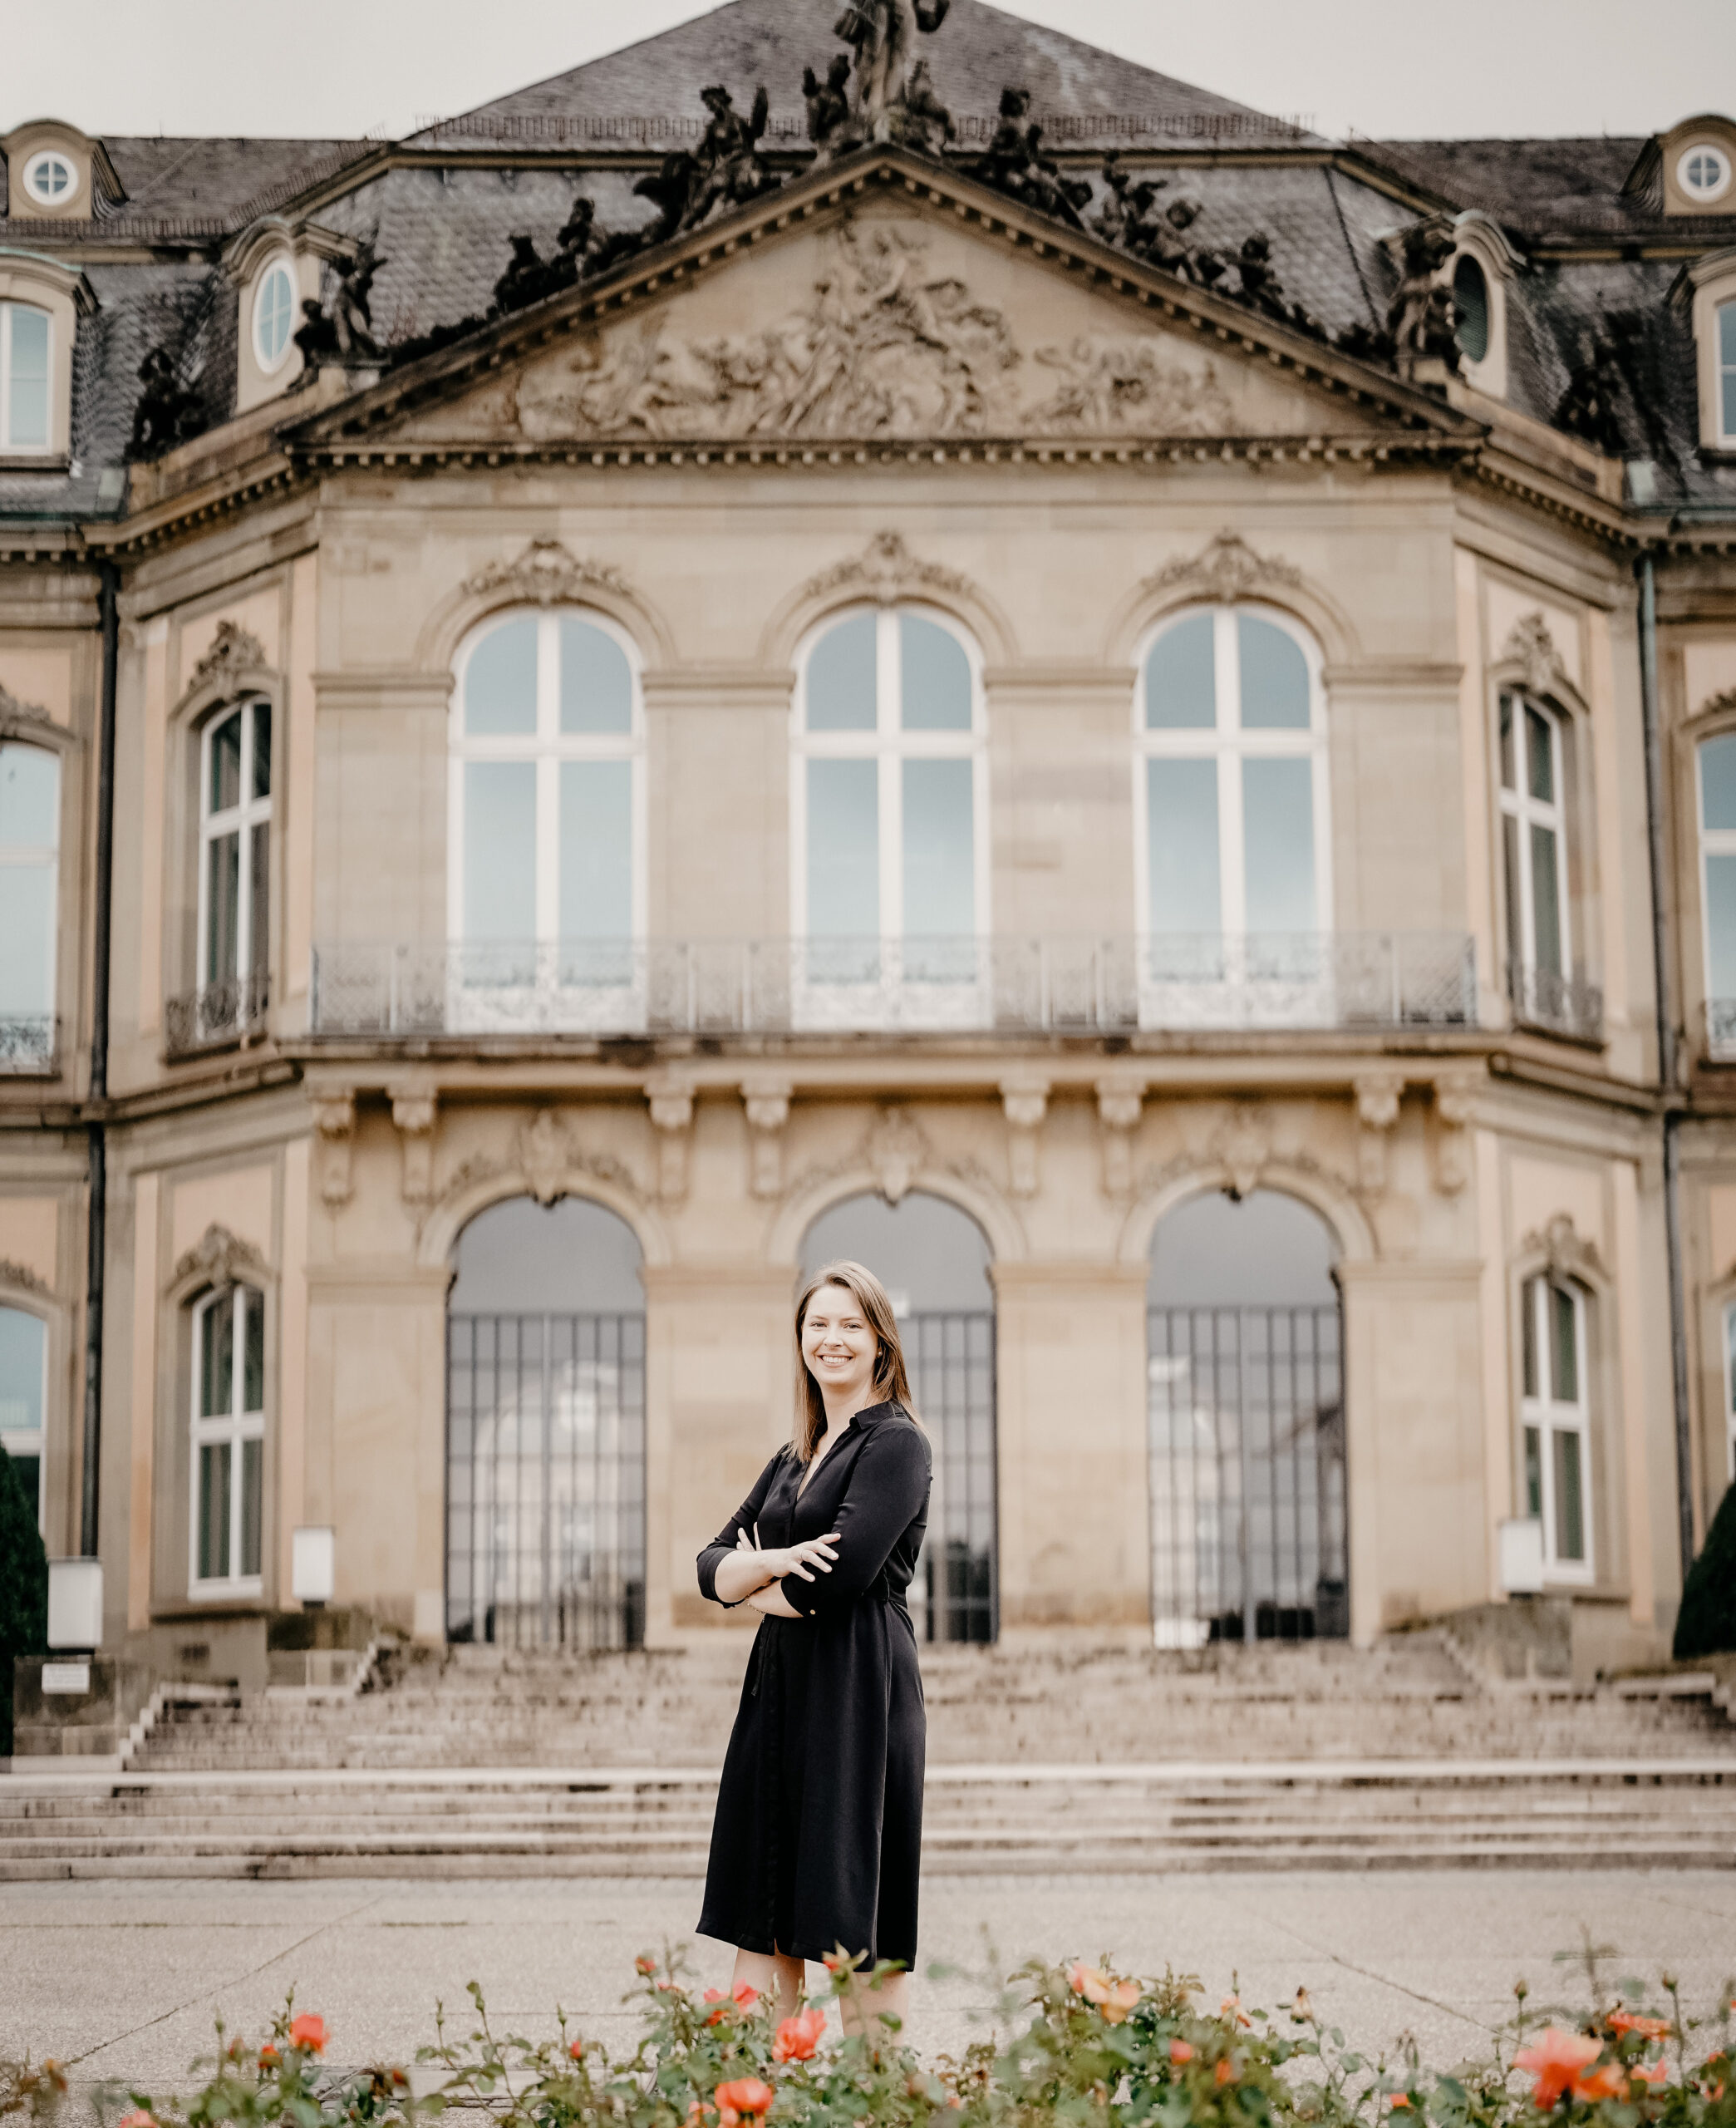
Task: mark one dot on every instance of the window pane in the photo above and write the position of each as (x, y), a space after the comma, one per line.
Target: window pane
(1515, 891)
(842, 678)
(1717, 779)
(1277, 813)
(259, 882)
(26, 940)
(1727, 364)
(500, 849)
(936, 677)
(1181, 685)
(225, 788)
(252, 1348)
(597, 682)
(274, 326)
(213, 1511)
(940, 898)
(843, 850)
(1470, 292)
(30, 798)
(1720, 925)
(1182, 817)
(1569, 1512)
(261, 750)
(1528, 1335)
(253, 1466)
(1274, 677)
(597, 850)
(222, 906)
(27, 1470)
(1506, 743)
(23, 1354)
(500, 682)
(217, 1356)
(1546, 898)
(1563, 1346)
(1539, 756)
(27, 413)
(1533, 1473)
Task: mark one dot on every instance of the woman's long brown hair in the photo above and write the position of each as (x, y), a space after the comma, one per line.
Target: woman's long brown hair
(890, 1382)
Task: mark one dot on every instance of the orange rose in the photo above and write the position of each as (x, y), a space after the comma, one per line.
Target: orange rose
(1648, 2028)
(1122, 1997)
(1180, 2051)
(269, 2057)
(1399, 2098)
(577, 2050)
(746, 2099)
(1224, 2072)
(798, 2036)
(1654, 2073)
(1087, 1981)
(308, 2033)
(1558, 2060)
(642, 1964)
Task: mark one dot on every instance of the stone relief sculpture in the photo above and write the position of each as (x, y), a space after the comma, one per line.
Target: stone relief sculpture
(883, 35)
(888, 346)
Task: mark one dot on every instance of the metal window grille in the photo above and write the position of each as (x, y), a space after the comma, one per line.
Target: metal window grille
(545, 1480)
(1249, 1534)
(956, 1595)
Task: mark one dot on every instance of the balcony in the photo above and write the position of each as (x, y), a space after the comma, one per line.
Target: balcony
(720, 986)
(29, 1044)
(1721, 1030)
(220, 1015)
(1555, 1004)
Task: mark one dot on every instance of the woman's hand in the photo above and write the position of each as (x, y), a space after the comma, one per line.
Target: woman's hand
(789, 1558)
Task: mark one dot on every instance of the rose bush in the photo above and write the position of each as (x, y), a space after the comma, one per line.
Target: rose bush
(1078, 2045)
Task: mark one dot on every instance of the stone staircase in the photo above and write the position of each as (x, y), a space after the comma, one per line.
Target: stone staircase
(484, 1762)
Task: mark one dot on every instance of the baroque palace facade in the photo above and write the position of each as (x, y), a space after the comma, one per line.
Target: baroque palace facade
(987, 661)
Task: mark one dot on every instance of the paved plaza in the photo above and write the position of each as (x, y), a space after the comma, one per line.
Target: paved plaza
(121, 1980)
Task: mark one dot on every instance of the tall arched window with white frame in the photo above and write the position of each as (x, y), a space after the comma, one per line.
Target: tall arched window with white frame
(24, 1399)
(547, 890)
(234, 872)
(1715, 764)
(1555, 1419)
(30, 826)
(27, 344)
(229, 1442)
(889, 820)
(1534, 855)
(1232, 805)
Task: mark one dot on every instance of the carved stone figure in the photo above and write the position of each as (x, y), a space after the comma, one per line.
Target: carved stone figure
(579, 235)
(525, 280)
(828, 104)
(1589, 407)
(729, 168)
(316, 337)
(167, 413)
(1124, 216)
(1367, 344)
(670, 189)
(352, 318)
(883, 34)
(922, 121)
(1016, 163)
(1423, 316)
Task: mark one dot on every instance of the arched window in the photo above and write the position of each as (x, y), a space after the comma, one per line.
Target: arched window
(1231, 802)
(234, 872)
(1725, 358)
(890, 812)
(24, 1397)
(229, 1440)
(1557, 1421)
(547, 889)
(1716, 780)
(1471, 294)
(273, 314)
(30, 814)
(25, 340)
(1534, 846)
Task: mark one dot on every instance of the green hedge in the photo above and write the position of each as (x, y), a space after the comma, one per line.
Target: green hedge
(1706, 1624)
(1079, 2046)
(23, 1590)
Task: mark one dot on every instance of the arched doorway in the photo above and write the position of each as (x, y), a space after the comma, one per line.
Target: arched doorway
(1246, 1431)
(934, 1261)
(545, 1428)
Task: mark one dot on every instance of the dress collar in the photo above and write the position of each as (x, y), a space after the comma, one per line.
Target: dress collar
(874, 1414)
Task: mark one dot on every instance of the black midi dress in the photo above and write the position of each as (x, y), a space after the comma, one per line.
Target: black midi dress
(819, 1834)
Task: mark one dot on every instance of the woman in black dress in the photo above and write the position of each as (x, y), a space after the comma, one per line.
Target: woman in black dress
(819, 1834)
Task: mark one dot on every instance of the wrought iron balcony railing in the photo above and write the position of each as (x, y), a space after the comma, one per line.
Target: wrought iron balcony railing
(1012, 986)
(29, 1044)
(1558, 1004)
(233, 1010)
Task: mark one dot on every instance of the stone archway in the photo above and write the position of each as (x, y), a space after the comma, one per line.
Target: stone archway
(545, 1538)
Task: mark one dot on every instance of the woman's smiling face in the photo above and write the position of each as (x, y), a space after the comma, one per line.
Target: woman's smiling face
(839, 1346)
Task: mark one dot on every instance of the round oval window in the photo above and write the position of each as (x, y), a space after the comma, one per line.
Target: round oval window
(1471, 292)
(50, 179)
(273, 307)
(1704, 173)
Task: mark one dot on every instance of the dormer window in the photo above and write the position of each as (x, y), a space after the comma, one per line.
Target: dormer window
(1483, 263)
(50, 179)
(1471, 293)
(1704, 173)
(273, 314)
(1727, 371)
(25, 340)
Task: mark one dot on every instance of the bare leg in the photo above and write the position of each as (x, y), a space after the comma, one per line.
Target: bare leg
(864, 2007)
(775, 1975)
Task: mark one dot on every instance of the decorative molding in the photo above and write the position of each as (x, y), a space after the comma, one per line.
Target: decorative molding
(19, 719)
(547, 575)
(1024, 1102)
(1453, 1095)
(220, 1258)
(1244, 1146)
(1530, 647)
(1567, 1254)
(670, 1096)
(1119, 1106)
(1225, 570)
(1713, 706)
(544, 1155)
(233, 650)
(765, 1096)
(895, 1152)
(545, 1162)
(886, 570)
(21, 1277)
(1378, 1095)
(414, 1112)
(334, 1121)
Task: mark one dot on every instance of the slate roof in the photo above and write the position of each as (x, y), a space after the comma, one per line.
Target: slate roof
(1544, 191)
(187, 190)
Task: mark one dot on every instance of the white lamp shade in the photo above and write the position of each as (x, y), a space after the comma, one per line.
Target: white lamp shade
(1521, 1556)
(314, 1564)
(75, 1604)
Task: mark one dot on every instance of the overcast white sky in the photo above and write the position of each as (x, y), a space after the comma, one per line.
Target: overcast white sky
(1396, 68)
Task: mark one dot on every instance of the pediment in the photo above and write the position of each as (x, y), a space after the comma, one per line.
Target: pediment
(888, 314)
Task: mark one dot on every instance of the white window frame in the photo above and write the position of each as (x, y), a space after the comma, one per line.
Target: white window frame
(549, 1000)
(1729, 1389)
(1550, 1415)
(1723, 371)
(1232, 1000)
(278, 263)
(34, 188)
(890, 1000)
(7, 446)
(1519, 805)
(1713, 842)
(33, 1441)
(233, 1428)
(238, 820)
(48, 854)
(1721, 155)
